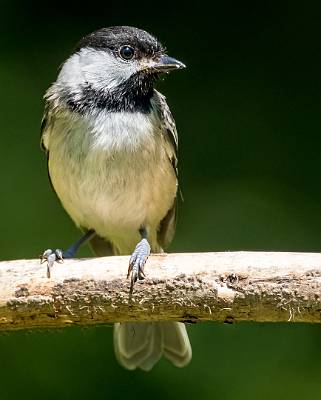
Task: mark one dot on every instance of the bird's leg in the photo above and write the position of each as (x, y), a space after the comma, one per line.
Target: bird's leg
(138, 259)
(57, 255)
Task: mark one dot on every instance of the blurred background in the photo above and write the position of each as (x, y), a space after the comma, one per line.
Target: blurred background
(247, 112)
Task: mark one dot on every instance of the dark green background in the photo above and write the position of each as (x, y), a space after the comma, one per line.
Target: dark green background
(247, 111)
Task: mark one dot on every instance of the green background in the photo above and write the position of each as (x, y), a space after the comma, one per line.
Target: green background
(247, 111)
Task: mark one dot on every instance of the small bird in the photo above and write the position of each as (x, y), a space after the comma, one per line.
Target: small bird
(111, 146)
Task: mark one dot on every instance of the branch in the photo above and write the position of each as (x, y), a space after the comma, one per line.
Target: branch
(231, 286)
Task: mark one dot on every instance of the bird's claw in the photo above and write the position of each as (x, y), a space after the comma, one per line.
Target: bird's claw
(137, 262)
(51, 256)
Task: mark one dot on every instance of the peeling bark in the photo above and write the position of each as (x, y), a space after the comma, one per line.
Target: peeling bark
(230, 286)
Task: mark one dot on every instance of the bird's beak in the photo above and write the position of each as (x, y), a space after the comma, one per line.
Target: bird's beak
(164, 63)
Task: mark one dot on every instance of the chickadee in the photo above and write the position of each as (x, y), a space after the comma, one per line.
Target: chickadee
(111, 144)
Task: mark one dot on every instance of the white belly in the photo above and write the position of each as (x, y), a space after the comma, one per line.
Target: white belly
(116, 183)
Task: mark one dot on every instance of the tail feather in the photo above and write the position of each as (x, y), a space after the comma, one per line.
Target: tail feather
(141, 344)
(177, 347)
(137, 345)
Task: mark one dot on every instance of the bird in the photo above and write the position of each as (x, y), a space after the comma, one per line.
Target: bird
(111, 145)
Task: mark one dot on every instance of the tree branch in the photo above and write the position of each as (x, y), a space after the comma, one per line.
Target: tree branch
(231, 286)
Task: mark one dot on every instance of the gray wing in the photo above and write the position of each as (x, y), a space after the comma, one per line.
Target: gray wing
(168, 129)
(45, 122)
(167, 226)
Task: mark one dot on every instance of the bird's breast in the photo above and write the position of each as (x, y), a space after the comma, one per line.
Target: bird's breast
(112, 172)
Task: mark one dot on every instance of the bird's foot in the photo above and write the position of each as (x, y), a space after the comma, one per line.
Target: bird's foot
(51, 256)
(57, 255)
(137, 262)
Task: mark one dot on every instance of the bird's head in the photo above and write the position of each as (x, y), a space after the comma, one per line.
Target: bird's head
(119, 58)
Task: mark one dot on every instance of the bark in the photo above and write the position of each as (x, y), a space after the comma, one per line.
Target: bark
(230, 286)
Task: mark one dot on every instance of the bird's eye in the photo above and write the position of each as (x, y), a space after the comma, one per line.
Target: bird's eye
(126, 52)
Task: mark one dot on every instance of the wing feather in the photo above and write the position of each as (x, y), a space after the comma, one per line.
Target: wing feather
(45, 123)
(167, 226)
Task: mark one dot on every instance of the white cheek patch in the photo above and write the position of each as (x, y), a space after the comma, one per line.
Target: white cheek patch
(70, 75)
(103, 70)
